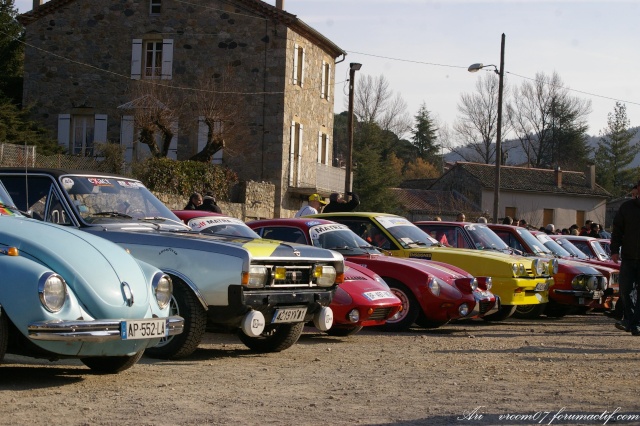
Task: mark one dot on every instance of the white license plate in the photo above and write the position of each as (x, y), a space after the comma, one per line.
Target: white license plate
(375, 295)
(541, 287)
(143, 329)
(289, 315)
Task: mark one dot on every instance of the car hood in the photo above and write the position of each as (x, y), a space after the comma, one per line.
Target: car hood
(93, 268)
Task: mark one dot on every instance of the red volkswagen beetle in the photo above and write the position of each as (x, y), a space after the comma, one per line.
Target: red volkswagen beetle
(432, 293)
(363, 299)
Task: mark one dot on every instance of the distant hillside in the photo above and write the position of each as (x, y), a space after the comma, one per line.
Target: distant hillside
(518, 156)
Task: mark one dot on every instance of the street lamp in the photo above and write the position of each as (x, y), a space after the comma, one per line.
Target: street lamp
(353, 67)
(500, 72)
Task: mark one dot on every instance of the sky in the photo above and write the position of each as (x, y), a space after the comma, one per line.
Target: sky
(423, 47)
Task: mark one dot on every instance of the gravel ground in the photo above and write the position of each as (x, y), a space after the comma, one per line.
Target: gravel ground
(470, 373)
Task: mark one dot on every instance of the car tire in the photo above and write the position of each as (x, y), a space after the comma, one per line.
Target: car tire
(557, 310)
(529, 311)
(111, 364)
(4, 334)
(410, 308)
(274, 338)
(503, 313)
(425, 322)
(343, 330)
(186, 304)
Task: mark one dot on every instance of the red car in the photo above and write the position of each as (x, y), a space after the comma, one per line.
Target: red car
(432, 293)
(363, 299)
(588, 245)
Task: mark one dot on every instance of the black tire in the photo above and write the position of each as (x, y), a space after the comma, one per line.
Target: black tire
(410, 308)
(274, 338)
(344, 330)
(425, 322)
(111, 364)
(4, 334)
(184, 303)
(529, 311)
(503, 313)
(557, 310)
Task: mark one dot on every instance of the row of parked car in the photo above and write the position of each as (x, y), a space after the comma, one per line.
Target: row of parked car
(112, 273)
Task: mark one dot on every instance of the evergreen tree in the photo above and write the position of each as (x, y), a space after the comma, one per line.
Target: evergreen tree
(425, 136)
(568, 134)
(16, 128)
(11, 52)
(615, 153)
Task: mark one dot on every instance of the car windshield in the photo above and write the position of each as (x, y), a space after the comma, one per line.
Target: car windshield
(7, 207)
(533, 242)
(600, 251)
(103, 199)
(556, 248)
(405, 232)
(485, 239)
(340, 238)
(573, 250)
(227, 226)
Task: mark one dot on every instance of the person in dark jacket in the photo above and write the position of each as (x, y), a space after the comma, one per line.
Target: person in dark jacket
(625, 246)
(194, 202)
(339, 204)
(209, 204)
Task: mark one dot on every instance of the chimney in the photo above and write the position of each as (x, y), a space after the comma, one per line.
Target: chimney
(590, 176)
(558, 173)
(37, 3)
(279, 4)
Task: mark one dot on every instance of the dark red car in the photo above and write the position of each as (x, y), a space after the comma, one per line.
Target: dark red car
(432, 293)
(362, 299)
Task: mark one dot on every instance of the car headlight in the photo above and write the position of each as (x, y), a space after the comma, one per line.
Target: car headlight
(353, 315)
(434, 286)
(474, 284)
(522, 270)
(592, 283)
(52, 291)
(162, 289)
(258, 275)
(325, 275)
(514, 268)
(578, 282)
(539, 267)
(463, 310)
(553, 266)
(489, 283)
(381, 281)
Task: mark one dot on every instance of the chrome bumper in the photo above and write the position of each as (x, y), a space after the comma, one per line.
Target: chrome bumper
(587, 294)
(480, 299)
(89, 331)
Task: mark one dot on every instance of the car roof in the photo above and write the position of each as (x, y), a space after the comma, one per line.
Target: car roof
(59, 172)
(305, 222)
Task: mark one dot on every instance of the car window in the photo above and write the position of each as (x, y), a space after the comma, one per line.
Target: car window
(38, 197)
(583, 246)
(280, 233)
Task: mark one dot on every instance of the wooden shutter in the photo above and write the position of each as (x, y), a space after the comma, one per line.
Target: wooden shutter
(64, 130)
(319, 147)
(302, 68)
(291, 152)
(323, 79)
(167, 59)
(326, 150)
(173, 145)
(100, 128)
(136, 59)
(327, 94)
(295, 64)
(299, 153)
(126, 136)
(203, 131)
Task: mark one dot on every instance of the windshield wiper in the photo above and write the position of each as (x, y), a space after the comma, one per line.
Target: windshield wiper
(112, 214)
(341, 248)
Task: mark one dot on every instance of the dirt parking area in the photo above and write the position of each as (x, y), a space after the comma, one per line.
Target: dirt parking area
(574, 370)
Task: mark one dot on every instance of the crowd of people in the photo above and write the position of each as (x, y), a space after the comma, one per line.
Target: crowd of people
(206, 203)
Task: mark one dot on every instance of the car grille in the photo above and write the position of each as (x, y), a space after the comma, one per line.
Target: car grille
(296, 276)
(485, 306)
(380, 313)
(614, 278)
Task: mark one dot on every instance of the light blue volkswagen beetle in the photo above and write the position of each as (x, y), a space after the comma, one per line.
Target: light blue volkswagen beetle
(68, 294)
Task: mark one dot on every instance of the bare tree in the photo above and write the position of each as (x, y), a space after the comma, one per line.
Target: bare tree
(374, 102)
(538, 108)
(477, 124)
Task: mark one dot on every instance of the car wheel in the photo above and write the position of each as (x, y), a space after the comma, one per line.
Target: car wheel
(343, 330)
(425, 322)
(274, 338)
(503, 313)
(410, 308)
(4, 334)
(111, 364)
(529, 311)
(186, 304)
(556, 310)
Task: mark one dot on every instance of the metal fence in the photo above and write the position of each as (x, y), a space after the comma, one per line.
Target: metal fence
(12, 155)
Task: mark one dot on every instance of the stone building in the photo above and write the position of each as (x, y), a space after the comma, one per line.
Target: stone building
(90, 65)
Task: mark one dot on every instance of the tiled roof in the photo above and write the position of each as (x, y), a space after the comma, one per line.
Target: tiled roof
(432, 201)
(525, 179)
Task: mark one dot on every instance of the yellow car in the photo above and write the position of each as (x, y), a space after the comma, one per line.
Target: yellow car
(517, 280)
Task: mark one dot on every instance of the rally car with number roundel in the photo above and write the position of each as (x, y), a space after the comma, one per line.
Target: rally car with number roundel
(67, 294)
(432, 293)
(516, 280)
(362, 299)
(261, 290)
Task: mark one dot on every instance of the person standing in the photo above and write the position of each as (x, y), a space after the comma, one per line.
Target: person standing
(315, 205)
(339, 204)
(625, 247)
(461, 217)
(195, 201)
(209, 204)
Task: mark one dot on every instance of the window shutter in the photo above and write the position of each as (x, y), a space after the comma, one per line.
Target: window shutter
(136, 59)
(327, 94)
(64, 130)
(173, 145)
(319, 147)
(291, 152)
(100, 128)
(323, 79)
(203, 131)
(167, 59)
(295, 64)
(217, 157)
(126, 136)
(326, 150)
(299, 153)
(302, 68)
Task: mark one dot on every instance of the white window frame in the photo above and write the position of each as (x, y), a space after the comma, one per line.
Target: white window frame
(155, 7)
(161, 59)
(298, 65)
(67, 134)
(295, 153)
(325, 84)
(323, 148)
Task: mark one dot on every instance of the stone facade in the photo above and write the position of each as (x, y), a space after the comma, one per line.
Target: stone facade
(83, 66)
